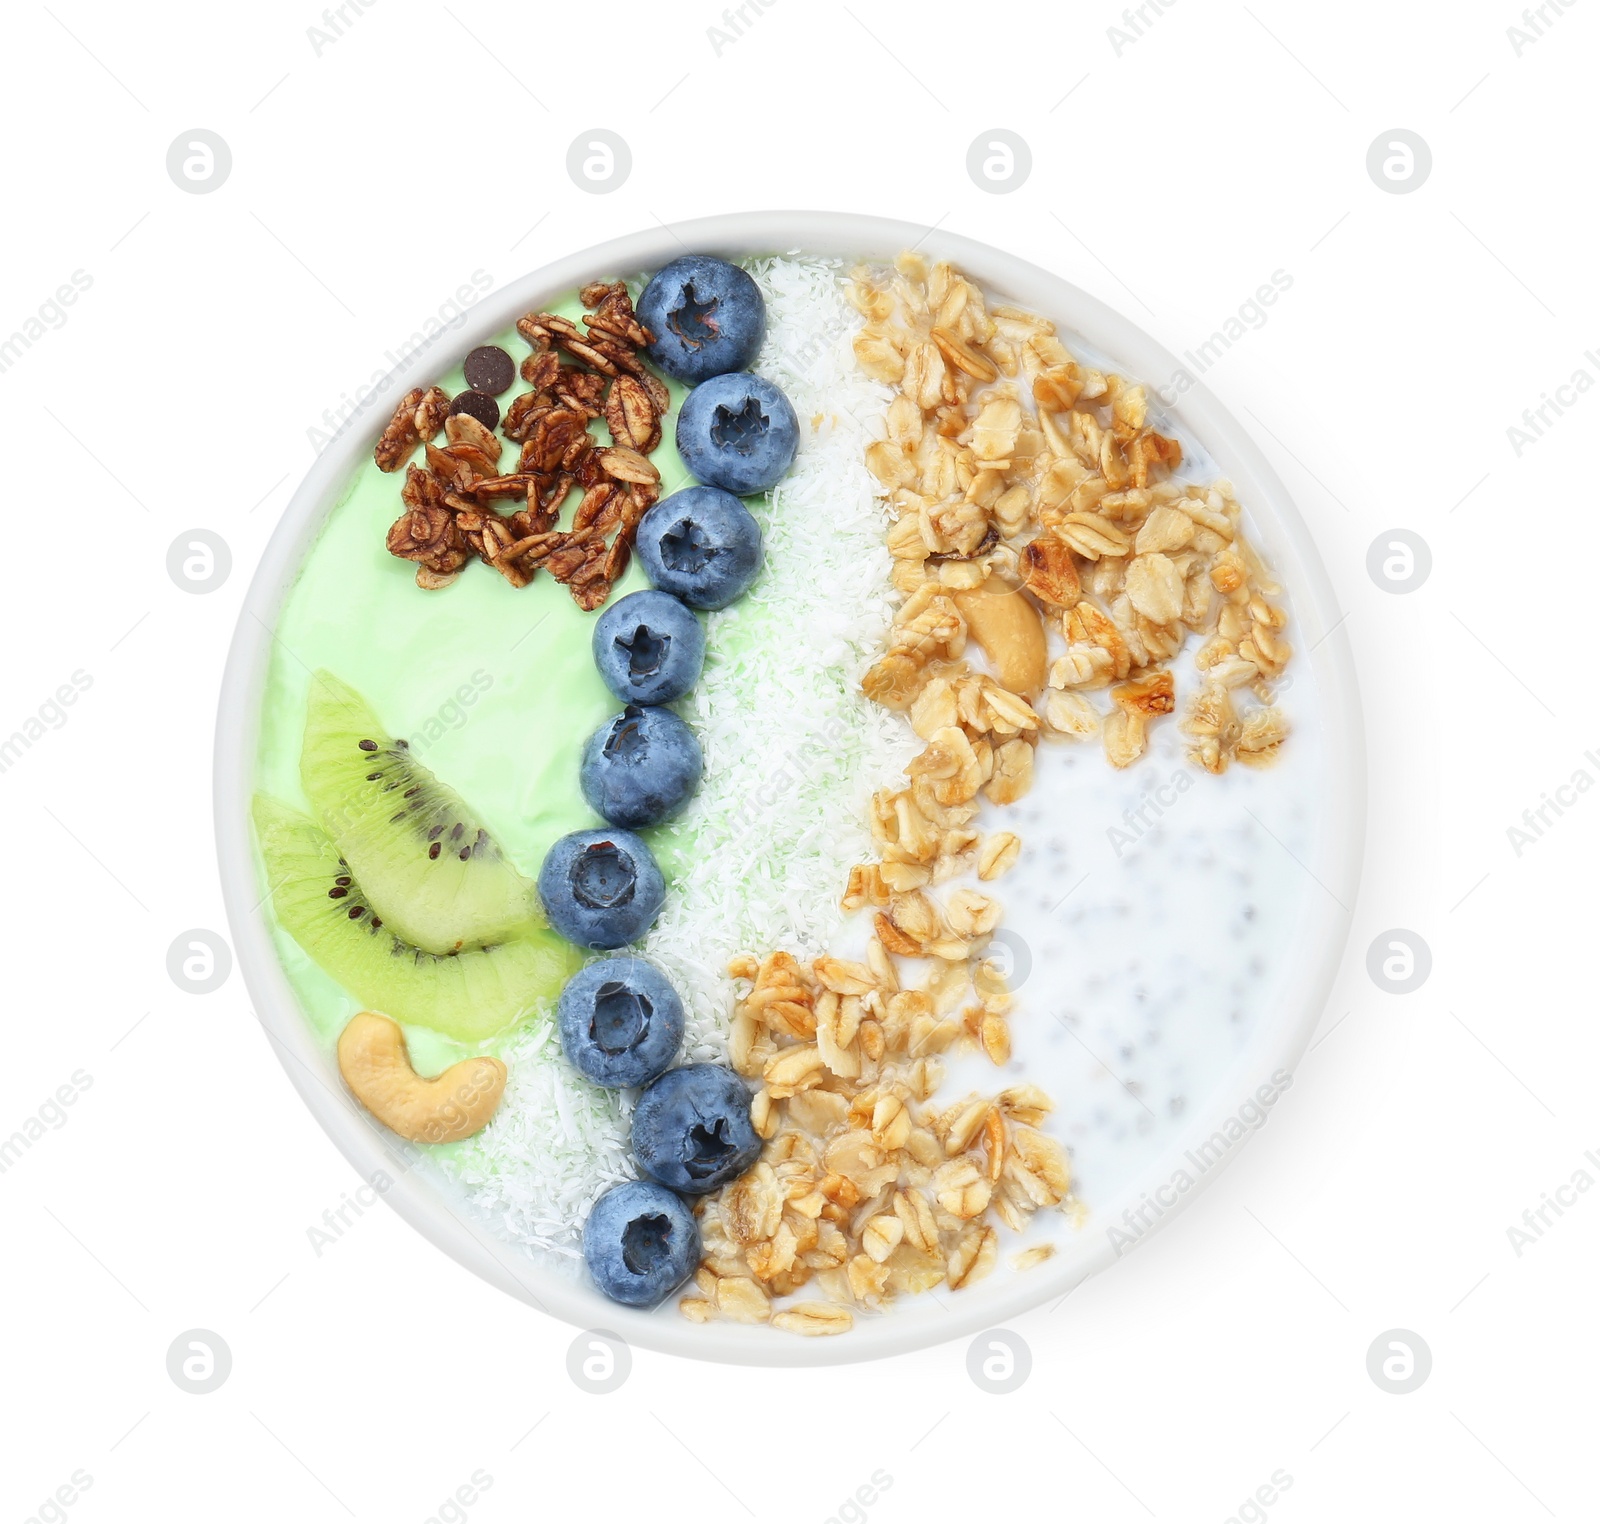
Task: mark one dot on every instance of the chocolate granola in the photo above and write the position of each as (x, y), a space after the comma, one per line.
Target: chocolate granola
(575, 376)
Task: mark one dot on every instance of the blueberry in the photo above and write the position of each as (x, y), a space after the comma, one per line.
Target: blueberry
(691, 1129)
(700, 545)
(621, 1022)
(649, 648)
(640, 1243)
(601, 888)
(640, 767)
(738, 432)
(707, 315)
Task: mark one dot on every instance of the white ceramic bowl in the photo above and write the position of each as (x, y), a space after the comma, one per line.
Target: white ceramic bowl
(1277, 1042)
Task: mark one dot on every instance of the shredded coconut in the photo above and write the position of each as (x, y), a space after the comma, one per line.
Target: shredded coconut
(792, 752)
(555, 1144)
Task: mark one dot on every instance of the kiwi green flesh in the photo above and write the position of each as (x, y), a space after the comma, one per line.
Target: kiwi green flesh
(470, 995)
(433, 872)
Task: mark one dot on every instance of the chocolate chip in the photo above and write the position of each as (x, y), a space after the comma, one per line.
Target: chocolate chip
(479, 405)
(490, 369)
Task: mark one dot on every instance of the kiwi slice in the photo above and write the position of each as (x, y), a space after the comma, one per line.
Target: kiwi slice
(466, 995)
(434, 874)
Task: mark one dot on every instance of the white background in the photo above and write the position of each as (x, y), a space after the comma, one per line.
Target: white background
(369, 181)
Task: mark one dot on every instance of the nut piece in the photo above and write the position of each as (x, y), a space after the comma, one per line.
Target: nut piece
(445, 1109)
(1008, 628)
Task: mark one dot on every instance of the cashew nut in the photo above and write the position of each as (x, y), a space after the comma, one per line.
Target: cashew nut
(1007, 627)
(451, 1106)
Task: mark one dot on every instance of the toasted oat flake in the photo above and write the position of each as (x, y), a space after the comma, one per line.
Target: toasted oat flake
(998, 854)
(814, 1320)
(1029, 1259)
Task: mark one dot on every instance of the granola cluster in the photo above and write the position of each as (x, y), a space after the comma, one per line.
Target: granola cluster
(863, 1187)
(1008, 465)
(575, 376)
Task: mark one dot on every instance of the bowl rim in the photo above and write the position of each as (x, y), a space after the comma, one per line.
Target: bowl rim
(919, 1322)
